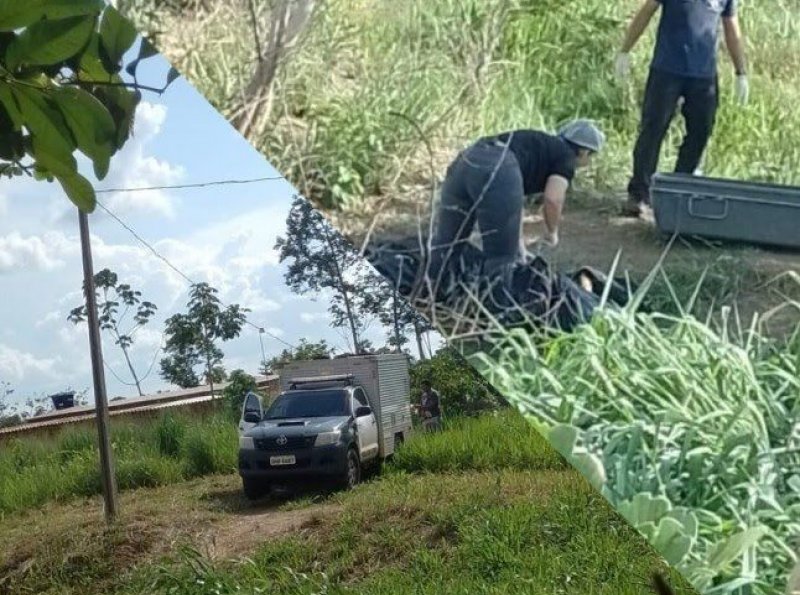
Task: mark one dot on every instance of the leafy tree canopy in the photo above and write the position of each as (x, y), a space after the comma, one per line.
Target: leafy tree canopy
(62, 90)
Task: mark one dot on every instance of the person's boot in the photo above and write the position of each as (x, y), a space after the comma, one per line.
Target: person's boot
(631, 208)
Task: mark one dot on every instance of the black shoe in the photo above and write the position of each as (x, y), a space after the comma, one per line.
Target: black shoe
(632, 208)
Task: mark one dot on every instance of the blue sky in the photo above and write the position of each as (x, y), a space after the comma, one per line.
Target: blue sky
(223, 235)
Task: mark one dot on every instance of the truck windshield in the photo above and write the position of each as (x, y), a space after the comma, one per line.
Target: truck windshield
(316, 403)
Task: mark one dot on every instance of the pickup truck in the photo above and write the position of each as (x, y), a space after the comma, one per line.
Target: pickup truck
(331, 421)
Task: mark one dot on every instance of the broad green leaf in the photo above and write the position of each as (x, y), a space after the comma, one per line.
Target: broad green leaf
(91, 65)
(50, 42)
(52, 161)
(725, 552)
(11, 146)
(591, 467)
(15, 14)
(91, 124)
(670, 541)
(563, 438)
(117, 35)
(10, 104)
(79, 190)
(46, 125)
(644, 508)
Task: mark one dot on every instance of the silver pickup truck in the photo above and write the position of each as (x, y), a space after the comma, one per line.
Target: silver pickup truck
(331, 420)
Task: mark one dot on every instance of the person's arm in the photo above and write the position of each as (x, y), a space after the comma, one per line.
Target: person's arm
(735, 43)
(639, 24)
(555, 193)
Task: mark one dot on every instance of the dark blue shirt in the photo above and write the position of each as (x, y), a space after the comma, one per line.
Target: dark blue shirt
(688, 36)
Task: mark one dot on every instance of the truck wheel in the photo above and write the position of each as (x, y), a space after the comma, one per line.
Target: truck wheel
(352, 474)
(254, 489)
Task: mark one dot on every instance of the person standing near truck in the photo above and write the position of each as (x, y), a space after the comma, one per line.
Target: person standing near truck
(683, 67)
(487, 183)
(430, 407)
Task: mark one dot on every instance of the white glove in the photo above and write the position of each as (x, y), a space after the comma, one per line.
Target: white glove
(742, 89)
(622, 66)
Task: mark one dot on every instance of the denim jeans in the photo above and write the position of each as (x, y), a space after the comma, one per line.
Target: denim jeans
(663, 90)
(483, 186)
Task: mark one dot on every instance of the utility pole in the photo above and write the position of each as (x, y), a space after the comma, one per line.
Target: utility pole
(98, 374)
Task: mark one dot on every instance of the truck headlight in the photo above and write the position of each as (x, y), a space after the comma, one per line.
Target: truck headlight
(246, 443)
(327, 438)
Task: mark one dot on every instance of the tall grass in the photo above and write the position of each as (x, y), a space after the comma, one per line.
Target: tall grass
(174, 448)
(694, 434)
(465, 68)
(488, 443)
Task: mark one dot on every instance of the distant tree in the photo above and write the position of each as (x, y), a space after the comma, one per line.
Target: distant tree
(305, 351)
(114, 295)
(383, 300)
(239, 384)
(322, 259)
(192, 338)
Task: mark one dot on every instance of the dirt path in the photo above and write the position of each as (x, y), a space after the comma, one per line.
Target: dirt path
(240, 534)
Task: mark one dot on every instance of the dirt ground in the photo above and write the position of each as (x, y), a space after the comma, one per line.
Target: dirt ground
(593, 233)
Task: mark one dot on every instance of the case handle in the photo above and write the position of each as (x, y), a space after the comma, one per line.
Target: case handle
(707, 197)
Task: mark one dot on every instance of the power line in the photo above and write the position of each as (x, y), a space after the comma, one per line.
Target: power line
(166, 261)
(196, 185)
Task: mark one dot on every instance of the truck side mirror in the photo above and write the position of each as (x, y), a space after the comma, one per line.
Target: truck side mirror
(252, 417)
(363, 412)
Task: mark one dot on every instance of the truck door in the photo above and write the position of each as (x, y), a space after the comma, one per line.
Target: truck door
(252, 412)
(367, 427)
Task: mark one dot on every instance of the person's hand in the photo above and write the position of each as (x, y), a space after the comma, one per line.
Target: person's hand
(622, 66)
(742, 89)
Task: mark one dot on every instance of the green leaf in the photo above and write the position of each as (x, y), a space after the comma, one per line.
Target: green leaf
(79, 190)
(725, 552)
(11, 146)
(563, 438)
(49, 132)
(52, 161)
(117, 36)
(15, 14)
(671, 542)
(8, 101)
(91, 124)
(50, 42)
(91, 64)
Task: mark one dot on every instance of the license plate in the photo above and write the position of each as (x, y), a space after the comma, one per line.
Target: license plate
(284, 460)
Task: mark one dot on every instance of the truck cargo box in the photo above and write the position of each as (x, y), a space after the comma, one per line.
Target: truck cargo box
(730, 210)
(385, 378)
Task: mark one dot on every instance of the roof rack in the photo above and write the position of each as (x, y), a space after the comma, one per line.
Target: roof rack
(345, 379)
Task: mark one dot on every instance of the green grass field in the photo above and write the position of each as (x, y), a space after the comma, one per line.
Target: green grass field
(464, 68)
(484, 507)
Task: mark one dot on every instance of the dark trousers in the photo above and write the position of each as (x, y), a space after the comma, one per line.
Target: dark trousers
(483, 186)
(663, 90)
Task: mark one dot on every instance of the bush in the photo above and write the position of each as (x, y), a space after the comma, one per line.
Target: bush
(462, 390)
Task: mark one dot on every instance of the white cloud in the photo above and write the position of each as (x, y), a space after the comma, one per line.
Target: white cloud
(134, 168)
(51, 317)
(16, 366)
(32, 253)
(312, 317)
